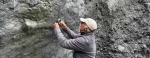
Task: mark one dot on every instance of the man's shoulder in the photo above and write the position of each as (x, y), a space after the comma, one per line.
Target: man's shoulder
(90, 39)
(89, 35)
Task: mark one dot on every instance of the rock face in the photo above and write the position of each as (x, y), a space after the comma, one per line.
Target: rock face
(26, 32)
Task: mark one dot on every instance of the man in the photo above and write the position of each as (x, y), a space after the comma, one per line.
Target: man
(83, 44)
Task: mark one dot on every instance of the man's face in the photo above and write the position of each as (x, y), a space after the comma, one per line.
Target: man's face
(83, 27)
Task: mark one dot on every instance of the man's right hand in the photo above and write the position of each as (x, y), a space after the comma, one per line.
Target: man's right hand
(55, 25)
(62, 24)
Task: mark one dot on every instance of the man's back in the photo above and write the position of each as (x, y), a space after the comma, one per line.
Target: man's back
(90, 48)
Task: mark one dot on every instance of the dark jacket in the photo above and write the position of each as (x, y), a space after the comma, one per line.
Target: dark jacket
(84, 46)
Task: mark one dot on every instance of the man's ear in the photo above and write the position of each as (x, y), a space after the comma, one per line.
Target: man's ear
(87, 29)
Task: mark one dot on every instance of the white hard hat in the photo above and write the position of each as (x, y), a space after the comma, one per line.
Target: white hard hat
(91, 23)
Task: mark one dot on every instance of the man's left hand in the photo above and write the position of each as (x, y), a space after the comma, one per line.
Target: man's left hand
(62, 24)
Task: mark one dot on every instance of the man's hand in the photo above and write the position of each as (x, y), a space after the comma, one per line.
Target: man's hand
(62, 24)
(55, 25)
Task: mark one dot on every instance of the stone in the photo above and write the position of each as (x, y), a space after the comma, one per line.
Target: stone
(148, 6)
(26, 29)
(121, 48)
(30, 23)
(33, 2)
(13, 4)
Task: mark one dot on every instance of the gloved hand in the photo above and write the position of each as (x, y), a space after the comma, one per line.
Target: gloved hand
(55, 25)
(62, 24)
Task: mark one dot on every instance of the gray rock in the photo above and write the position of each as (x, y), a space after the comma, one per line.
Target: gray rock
(13, 4)
(33, 2)
(123, 27)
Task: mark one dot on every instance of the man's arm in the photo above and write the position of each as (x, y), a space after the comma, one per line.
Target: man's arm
(68, 31)
(77, 44)
(71, 33)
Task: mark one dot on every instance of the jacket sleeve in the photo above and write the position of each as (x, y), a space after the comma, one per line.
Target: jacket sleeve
(71, 33)
(77, 44)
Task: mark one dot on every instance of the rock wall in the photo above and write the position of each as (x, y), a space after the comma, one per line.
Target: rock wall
(26, 32)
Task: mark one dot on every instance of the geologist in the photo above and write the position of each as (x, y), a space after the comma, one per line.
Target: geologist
(82, 44)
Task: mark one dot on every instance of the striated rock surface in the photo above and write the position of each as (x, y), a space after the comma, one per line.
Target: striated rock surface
(26, 27)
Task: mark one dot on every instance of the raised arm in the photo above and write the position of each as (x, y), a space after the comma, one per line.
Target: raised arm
(68, 31)
(77, 44)
(71, 33)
